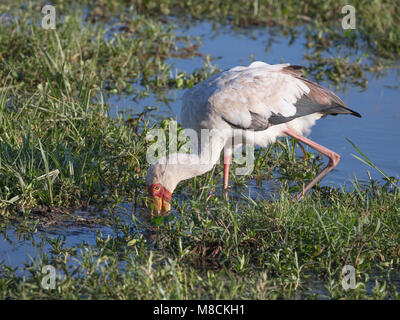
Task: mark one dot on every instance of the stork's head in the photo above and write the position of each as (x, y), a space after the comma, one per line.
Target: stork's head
(165, 173)
(160, 197)
(160, 185)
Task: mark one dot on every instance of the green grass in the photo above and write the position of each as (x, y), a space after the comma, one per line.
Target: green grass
(375, 41)
(231, 250)
(60, 150)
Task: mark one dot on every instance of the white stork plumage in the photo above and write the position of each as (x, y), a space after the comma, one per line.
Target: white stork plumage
(268, 101)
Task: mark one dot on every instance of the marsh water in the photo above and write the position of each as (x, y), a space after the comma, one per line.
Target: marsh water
(377, 133)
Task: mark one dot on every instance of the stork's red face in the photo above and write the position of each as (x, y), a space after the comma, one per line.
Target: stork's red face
(161, 197)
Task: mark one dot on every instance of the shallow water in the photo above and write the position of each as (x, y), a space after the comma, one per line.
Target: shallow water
(377, 134)
(80, 228)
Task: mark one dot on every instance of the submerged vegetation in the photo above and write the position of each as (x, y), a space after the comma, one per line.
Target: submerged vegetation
(60, 150)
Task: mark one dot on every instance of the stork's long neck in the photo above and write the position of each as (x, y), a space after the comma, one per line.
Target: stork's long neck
(183, 166)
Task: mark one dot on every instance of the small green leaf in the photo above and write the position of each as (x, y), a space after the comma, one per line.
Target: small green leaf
(157, 221)
(132, 242)
(378, 225)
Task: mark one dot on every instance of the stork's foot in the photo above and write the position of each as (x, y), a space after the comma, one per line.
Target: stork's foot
(302, 149)
(225, 193)
(319, 177)
(334, 159)
(209, 195)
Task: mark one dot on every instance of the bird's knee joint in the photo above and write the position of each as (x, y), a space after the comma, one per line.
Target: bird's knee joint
(334, 159)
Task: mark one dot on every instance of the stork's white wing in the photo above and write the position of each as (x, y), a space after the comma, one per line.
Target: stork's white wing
(258, 96)
(243, 96)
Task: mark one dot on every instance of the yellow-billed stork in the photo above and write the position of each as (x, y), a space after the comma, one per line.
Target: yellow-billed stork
(269, 101)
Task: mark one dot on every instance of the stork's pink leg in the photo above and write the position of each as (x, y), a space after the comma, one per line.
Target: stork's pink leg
(334, 159)
(227, 159)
